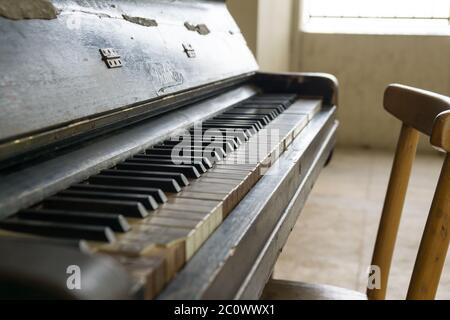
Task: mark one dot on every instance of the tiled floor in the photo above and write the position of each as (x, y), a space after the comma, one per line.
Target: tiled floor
(333, 239)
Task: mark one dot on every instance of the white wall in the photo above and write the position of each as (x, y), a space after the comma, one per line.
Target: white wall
(274, 36)
(267, 27)
(364, 66)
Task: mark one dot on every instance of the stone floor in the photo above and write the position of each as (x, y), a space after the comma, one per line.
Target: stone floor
(333, 239)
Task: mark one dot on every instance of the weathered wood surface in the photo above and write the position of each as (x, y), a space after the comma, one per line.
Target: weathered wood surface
(52, 72)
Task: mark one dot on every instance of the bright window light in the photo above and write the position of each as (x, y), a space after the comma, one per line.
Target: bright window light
(377, 16)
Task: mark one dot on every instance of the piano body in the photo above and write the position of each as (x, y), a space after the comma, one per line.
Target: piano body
(95, 98)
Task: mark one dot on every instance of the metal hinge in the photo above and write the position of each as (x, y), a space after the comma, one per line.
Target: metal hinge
(189, 50)
(111, 57)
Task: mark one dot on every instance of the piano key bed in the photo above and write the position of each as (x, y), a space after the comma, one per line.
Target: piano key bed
(153, 211)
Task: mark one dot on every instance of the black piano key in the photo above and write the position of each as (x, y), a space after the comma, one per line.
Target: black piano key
(228, 142)
(141, 164)
(262, 104)
(230, 123)
(199, 162)
(227, 145)
(147, 201)
(246, 116)
(173, 161)
(179, 177)
(157, 194)
(221, 143)
(114, 221)
(213, 135)
(283, 103)
(127, 208)
(168, 152)
(256, 125)
(216, 152)
(291, 97)
(272, 114)
(253, 111)
(279, 107)
(236, 140)
(260, 108)
(272, 99)
(167, 185)
(171, 165)
(248, 129)
(263, 119)
(203, 160)
(59, 230)
(239, 135)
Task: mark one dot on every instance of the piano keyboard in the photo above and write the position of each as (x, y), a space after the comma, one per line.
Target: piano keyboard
(152, 212)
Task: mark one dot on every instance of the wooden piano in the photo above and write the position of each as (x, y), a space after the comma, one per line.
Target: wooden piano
(141, 147)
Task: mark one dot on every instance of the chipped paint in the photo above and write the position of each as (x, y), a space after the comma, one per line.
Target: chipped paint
(28, 9)
(140, 20)
(200, 28)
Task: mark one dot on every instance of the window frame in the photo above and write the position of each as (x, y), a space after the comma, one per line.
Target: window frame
(307, 25)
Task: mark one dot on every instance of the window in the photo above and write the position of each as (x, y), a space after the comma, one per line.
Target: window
(377, 16)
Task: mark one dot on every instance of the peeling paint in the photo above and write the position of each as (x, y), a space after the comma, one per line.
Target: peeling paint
(141, 21)
(28, 9)
(98, 14)
(200, 28)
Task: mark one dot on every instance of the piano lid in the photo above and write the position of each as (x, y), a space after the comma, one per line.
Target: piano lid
(64, 62)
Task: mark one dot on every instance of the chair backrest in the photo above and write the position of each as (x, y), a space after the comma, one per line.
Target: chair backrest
(420, 112)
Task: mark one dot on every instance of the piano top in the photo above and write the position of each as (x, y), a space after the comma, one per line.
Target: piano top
(55, 82)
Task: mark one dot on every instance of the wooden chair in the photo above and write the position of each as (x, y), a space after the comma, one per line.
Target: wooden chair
(420, 111)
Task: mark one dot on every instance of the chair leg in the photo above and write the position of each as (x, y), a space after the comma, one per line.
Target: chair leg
(435, 240)
(393, 206)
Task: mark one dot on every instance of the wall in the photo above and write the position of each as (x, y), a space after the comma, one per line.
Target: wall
(267, 26)
(245, 12)
(275, 18)
(364, 66)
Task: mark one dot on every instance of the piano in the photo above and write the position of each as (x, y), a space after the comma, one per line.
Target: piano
(144, 156)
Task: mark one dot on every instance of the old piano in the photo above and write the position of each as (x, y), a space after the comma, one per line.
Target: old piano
(142, 150)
